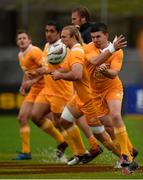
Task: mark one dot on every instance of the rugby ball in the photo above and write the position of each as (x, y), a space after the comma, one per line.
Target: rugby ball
(56, 53)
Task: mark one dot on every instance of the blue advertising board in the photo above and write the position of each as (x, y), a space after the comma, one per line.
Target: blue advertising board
(133, 99)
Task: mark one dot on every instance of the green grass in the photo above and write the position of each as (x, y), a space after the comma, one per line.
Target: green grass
(43, 146)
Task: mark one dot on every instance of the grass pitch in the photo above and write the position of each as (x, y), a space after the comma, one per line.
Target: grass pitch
(43, 164)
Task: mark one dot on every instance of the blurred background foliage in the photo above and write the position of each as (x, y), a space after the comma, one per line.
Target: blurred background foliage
(122, 7)
(124, 16)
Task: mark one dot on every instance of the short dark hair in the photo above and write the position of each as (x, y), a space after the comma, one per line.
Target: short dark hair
(57, 26)
(83, 11)
(99, 27)
(21, 31)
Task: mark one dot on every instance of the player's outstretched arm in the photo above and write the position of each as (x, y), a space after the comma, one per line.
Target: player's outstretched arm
(117, 44)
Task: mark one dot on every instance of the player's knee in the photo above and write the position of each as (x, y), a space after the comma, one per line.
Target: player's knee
(115, 116)
(67, 118)
(66, 124)
(67, 115)
(22, 119)
(57, 124)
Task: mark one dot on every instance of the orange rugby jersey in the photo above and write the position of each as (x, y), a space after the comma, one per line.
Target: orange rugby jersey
(98, 81)
(30, 60)
(60, 88)
(76, 55)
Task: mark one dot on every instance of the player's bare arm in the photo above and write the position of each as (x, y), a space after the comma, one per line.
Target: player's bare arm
(38, 72)
(73, 75)
(107, 52)
(110, 73)
(106, 71)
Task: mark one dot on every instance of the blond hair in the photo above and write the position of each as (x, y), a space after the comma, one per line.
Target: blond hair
(74, 32)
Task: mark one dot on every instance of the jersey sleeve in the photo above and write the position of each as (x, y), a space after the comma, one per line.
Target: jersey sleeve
(37, 56)
(77, 56)
(90, 52)
(117, 60)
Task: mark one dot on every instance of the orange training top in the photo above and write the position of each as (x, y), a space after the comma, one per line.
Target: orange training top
(98, 81)
(60, 88)
(81, 87)
(30, 60)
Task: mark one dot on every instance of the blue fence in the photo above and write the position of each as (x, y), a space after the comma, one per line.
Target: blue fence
(133, 103)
